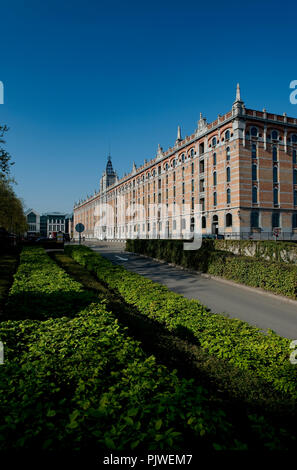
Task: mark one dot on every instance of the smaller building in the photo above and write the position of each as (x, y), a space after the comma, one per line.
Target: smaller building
(33, 221)
(53, 222)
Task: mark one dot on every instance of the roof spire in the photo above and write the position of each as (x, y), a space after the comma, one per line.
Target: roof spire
(178, 133)
(238, 93)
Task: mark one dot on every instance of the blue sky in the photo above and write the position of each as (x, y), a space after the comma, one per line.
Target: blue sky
(83, 78)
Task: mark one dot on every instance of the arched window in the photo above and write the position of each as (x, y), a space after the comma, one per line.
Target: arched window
(214, 178)
(275, 220)
(294, 156)
(294, 220)
(255, 194)
(295, 197)
(228, 196)
(254, 151)
(203, 221)
(275, 174)
(255, 219)
(214, 159)
(254, 172)
(192, 152)
(228, 174)
(254, 132)
(214, 141)
(295, 176)
(174, 163)
(228, 153)
(275, 196)
(214, 198)
(227, 135)
(174, 224)
(294, 139)
(166, 166)
(159, 170)
(192, 226)
(228, 220)
(183, 157)
(274, 154)
(274, 135)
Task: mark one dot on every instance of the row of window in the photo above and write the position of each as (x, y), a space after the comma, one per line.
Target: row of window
(214, 156)
(214, 140)
(228, 197)
(228, 176)
(274, 135)
(275, 220)
(254, 222)
(275, 196)
(275, 174)
(274, 153)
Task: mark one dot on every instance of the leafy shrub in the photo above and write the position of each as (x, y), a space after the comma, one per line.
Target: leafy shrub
(231, 339)
(42, 289)
(83, 383)
(274, 276)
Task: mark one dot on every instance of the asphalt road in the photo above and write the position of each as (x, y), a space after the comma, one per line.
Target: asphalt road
(250, 305)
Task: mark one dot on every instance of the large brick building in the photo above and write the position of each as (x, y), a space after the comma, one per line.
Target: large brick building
(239, 173)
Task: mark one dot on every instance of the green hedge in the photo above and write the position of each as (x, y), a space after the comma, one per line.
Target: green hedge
(231, 339)
(82, 384)
(276, 277)
(272, 251)
(41, 289)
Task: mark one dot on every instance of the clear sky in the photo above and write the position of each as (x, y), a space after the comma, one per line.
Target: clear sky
(85, 77)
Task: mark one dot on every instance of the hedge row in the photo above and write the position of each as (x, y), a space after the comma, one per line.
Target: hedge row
(231, 339)
(276, 277)
(41, 289)
(82, 384)
(270, 250)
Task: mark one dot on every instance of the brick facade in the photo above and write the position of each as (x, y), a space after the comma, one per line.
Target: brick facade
(240, 171)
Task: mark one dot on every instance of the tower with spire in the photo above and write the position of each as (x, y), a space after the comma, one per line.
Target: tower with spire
(109, 176)
(238, 105)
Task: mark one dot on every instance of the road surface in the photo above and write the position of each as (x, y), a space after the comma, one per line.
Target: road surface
(250, 305)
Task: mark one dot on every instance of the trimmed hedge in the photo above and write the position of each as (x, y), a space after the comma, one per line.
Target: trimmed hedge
(82, 384)
(231, 339)
(270, 250)
(41, 289)
(276, 277)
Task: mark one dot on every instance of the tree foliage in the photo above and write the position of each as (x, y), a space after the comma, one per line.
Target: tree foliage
(12, 217)
(5, 157)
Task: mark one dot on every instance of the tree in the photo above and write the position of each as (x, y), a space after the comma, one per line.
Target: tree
(12, 217)
(5, 157)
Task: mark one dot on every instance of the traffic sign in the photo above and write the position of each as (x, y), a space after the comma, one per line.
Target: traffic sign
(79, 228)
